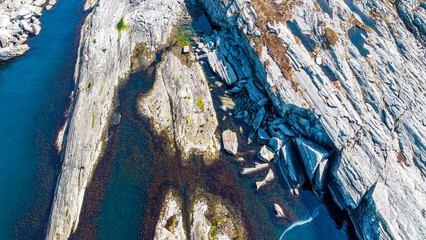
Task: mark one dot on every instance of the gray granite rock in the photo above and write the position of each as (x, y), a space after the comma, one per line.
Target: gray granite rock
(348, 98)
(221, 67)
(230, 142)
(269, 177)
(275, 144)
(312, 155)
(279, 211)
(18, 22)
(291, 166)
(180, 104)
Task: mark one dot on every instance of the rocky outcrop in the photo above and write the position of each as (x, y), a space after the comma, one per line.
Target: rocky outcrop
(180, 104)
(210, 217)
(19, 20)
(104, 58)
(214, 218)
(347, 75)
(170, 222)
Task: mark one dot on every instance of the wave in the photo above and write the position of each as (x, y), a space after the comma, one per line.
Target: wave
(301, 222)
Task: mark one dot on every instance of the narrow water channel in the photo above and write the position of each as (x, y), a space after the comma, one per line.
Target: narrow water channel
(34, 92)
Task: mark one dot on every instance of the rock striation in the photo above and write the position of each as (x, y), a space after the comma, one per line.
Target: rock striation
(19, 20)
(349, 76)
(180, 104)
(103, 59)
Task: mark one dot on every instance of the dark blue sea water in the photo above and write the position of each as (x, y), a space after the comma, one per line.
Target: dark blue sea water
(34, 92)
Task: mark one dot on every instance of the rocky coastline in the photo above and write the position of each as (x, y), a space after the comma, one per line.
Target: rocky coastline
(108, 37)
(19, 20)
(364, 109)
(344, 116)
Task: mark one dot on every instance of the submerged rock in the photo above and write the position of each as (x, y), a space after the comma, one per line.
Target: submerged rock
(257, 168)
(279, 211)
(181, 105)
(230, 142)
(214, 218)
(269, 177)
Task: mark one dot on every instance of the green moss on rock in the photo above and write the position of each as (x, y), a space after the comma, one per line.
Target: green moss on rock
(121, 26)
(200, 104)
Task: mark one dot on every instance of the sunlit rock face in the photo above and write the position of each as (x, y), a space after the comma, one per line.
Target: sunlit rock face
(181, 105)
(349, 76)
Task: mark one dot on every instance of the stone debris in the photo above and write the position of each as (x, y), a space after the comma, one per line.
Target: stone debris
(263, 136)
(230, 142)
(275, 144)
(353, 98)
(279, 211)
(257, 168)
(265, 154)
(269, 177)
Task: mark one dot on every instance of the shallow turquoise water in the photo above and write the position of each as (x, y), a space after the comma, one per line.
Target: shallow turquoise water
(34, 93)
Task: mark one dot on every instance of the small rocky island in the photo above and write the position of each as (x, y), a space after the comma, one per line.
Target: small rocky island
(332, 92)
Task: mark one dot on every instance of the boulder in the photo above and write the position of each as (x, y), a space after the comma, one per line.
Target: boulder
(275, 144)
(291, 166)
(312, 154)
(263, 136)
(258, 118)
(185, 50)
(230, 142)
(257, 168)
(265, 154)
(221, 67)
